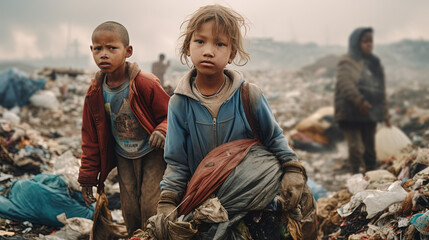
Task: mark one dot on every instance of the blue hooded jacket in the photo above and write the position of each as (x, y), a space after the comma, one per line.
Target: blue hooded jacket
(192, 132)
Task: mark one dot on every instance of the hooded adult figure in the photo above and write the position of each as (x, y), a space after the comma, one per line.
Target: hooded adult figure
(360, 99)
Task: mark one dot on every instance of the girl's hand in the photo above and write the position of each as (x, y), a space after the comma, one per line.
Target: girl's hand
(292, 184)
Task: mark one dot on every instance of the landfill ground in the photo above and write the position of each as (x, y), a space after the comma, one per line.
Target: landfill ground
(44, 137)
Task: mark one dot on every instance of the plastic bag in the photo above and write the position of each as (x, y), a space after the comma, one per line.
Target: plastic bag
(74, 228)
(41, 199)
(44, 99)
(374, 200)
(68, 166)
(357, 183)
(421, 222)
(16, 87)
(389, 142)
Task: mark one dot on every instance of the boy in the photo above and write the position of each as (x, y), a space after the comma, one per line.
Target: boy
(124, 123)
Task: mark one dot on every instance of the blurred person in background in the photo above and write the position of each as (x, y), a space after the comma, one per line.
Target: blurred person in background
(360, 99)
(159, 68)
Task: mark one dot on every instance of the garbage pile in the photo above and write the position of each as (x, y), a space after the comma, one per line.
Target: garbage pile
(317, 132)
(389, 203)
(292, 96)
(42, 134)
(39, 156)
(33, 135)
(410, 105)
(323, 67)
(16, 88)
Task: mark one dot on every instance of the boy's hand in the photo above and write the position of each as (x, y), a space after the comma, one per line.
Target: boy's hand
(87, 194)
(157, 140)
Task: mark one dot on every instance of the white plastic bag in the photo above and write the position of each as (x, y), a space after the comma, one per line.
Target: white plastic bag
(74, 228)
(374, 200)
(68, 166)
(44, 99)
(357, 183)
(389, 142)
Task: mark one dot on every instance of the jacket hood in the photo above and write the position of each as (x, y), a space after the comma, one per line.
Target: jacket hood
(132, 68)
(184, 87)
(354, 42)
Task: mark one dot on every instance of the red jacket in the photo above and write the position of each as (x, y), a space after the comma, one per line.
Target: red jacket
(149, 103)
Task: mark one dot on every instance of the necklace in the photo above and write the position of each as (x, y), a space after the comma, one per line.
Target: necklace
(214, 94)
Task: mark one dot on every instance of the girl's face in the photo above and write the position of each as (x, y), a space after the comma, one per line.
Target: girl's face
(366, 44)
(209, 53)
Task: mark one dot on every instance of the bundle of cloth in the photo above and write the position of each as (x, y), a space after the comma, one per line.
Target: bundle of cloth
(234, 180)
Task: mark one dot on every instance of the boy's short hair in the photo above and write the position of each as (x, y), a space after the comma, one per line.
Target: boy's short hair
(114, 27)
(226, 20)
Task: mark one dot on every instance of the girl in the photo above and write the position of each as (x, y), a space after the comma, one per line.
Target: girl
(206, 113)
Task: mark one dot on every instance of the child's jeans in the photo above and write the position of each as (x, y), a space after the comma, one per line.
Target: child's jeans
(139, 187)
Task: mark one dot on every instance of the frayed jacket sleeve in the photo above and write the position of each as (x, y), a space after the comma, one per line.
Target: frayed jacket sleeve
(155, 98)
(159, 106)
(90, 160)
(177, 174)
(347, 79)
(270, 133)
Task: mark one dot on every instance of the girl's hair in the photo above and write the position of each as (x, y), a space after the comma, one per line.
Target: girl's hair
(225, 20)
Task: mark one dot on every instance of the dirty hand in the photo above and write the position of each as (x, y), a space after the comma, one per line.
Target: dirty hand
(87, 193)
(292, 184)
(167, 204)
(365, 107)
(157, 140)
(387, 122)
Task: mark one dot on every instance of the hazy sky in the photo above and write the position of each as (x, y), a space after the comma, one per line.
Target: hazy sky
(39, 28)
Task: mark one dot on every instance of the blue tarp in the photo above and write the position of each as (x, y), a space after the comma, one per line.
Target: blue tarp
(41, 199)
(16, 87)
(318, 190)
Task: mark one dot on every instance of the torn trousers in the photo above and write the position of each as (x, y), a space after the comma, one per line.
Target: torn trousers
(139, 187)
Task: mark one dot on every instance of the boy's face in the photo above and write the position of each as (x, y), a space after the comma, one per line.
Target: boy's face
(366, 44)
(209, 53)
(108, 51)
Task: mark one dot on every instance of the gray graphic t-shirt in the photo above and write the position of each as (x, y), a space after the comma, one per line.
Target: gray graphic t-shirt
(130, 137)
